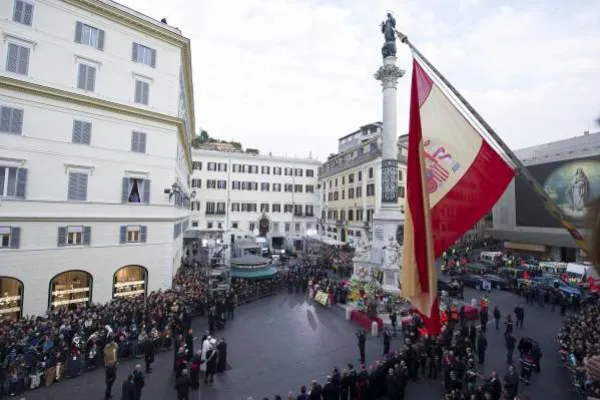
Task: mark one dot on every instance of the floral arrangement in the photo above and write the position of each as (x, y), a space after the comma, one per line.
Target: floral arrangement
(362, 272)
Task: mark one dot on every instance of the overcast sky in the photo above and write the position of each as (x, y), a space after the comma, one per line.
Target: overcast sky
(291, 76)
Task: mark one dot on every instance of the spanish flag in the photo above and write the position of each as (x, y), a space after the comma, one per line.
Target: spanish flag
(454, 177)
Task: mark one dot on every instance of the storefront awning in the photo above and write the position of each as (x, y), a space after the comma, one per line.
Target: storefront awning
(253, 273)
(525, 247)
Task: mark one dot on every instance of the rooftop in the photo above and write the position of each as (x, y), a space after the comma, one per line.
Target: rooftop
(138, 14)
(199, 153)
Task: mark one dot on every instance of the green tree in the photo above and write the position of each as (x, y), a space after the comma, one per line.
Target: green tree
(252, 151)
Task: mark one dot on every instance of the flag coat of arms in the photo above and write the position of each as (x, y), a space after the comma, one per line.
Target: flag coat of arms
(454, 177)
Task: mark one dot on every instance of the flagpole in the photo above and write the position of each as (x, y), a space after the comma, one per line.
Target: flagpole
(521, 168)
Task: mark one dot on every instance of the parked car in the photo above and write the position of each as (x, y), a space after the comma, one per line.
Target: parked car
(453, 290)
(499, 282)
(470, 280)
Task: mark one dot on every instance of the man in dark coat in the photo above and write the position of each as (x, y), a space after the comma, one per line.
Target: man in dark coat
(222, 362)
(387, 337)
(110, 371)
(128, 389)
(481, 347)
(149, 353)
(195, 372)
(189, 345)
(182, 385)
(362, 339)
(330, 390)
(139, 381)
(211, 364)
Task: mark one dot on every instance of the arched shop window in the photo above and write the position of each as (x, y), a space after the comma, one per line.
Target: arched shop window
(11, 298)
(70, 288)
(130, 280)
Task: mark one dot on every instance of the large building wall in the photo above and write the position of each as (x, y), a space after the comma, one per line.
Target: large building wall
(42, 149)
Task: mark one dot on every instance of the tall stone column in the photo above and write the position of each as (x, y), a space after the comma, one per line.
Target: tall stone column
(388, 218)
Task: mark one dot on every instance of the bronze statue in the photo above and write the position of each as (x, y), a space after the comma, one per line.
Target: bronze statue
(388, 28)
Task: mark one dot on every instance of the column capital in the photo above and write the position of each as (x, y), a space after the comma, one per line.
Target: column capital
(389, 73)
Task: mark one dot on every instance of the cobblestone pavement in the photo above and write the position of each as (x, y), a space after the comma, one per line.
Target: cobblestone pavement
(280, 343)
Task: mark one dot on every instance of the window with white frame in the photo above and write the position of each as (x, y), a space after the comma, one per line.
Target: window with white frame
(135, 190)
(143, 55)
(195, 205)
(197, 183)
(82, 132)
(11, 120)
(74, 236)
(23, 12)
(9, 237)
(89, 35)
(133, 234)
(142, 92)
(221, 184)
(86, 77)
(194, 224)
(17, 58)
(13, 181)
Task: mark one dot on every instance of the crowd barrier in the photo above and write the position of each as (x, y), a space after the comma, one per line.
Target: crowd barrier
(33, 373)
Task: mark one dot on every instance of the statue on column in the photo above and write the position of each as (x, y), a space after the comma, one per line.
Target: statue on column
(388, 28)
(391, 257)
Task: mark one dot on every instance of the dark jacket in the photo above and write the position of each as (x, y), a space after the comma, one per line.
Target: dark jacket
(183, 384)
(128, 391)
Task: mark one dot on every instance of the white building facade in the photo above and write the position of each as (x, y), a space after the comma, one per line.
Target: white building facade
(240, 190)
(97, 117)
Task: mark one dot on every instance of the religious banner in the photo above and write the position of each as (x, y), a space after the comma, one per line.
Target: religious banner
(322, 298)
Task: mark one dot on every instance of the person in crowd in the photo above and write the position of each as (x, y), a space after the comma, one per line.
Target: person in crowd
(110, 376)
(362, 339)
(510, 342)
(139, 381)
(128, 391)
(508, 325)
(497, 316)
(212, 356)
(183, 385)
(222, 351)
(387, 338)
(195, 370)
(519, 315)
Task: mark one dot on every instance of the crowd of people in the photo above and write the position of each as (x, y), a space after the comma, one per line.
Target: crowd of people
(41, 350)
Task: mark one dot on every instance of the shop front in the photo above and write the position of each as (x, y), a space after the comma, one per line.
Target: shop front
(70, 288)
(11, 298)
(130, 280)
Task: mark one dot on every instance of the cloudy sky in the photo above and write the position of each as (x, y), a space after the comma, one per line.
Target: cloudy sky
(291, 76)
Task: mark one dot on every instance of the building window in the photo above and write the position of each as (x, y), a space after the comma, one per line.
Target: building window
(197, 165)
(298, 172)
(212, 166)
(336, 196)
(359, 192)
(288, 208)
(400, 177)
(82, 132)
(221, 208)
(371, 173)
(264, 186)
(88, 35)
(251, 226)
(197, 183)
(289, 171)
(74, 236)
(86, 79)
(235, 207)
(310, 189)
(359, 176)
(298, 188)
(351, 193)
(142, 92)
(370, 189)
(11, 120)
(133, 234)
(10, 237)
(309, 209)
(401, 192)
(288, 187)
(13, 182)
(276, 170)
(221, 184)
(17, 59)
(138, 142)
(135, 190)
(277, 187)
(310, 173)
(78, 183)
(23, 12)
(211, 184)
(264, 207)
(143, 55)
(194, 224)
(235, 225)
(288, 226)
(276, 207)
(195, 206)
(236, 185)
(209, 225)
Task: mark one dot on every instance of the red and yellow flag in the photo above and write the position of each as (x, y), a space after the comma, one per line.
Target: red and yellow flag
(454, 177)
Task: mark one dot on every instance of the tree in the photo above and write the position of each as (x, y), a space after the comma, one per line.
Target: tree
(252, 151)
(204, 136)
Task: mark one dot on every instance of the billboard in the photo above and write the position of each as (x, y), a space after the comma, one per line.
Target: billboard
(571, 184)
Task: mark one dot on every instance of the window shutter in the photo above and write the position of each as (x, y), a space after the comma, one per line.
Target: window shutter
(23, 67)
(125, 190)
(16, 121)
(146, 191)
(82, 78)
(15, 237)
(123, 234)
(100, 39)
(143, 233)
(5, 115)
(77, 134)
(73, 177)
(91, 79)
(12, 57)
(28, 14)
(21, 182)
(145, 92)
(138, 91)
(82, 185)
(153, 59)
(175, 231)
(134, 52)
(142, 144)
(78, 31)
(18, 11)
(86, 136)
(62, 236)
(87, 235)
(135, 141)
